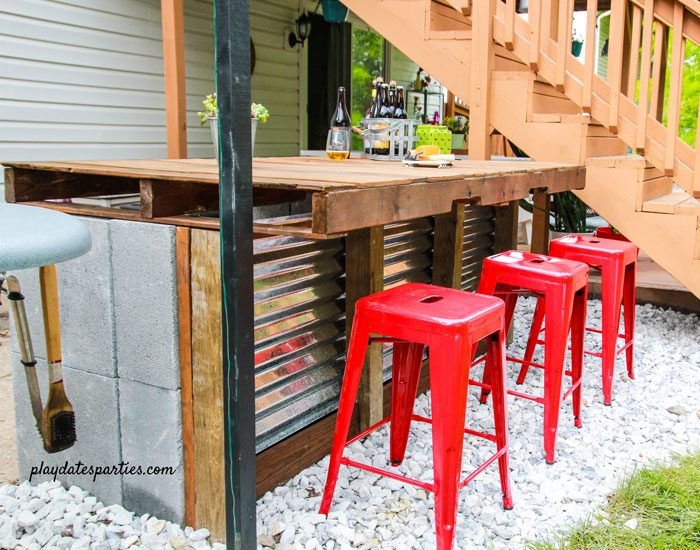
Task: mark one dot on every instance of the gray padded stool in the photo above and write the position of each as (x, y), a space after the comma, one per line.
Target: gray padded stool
(38, 237)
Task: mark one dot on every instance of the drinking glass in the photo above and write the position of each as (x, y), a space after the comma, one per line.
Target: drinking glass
(338, 143)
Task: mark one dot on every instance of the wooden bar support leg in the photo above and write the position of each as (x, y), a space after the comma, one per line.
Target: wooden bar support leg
(540, 222)
(448, 245)
(364, 267)
(506, 228)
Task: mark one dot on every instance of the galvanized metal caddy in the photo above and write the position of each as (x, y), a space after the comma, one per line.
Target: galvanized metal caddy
(394, 136)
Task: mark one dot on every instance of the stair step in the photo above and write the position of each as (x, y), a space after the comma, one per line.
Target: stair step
(678, 202)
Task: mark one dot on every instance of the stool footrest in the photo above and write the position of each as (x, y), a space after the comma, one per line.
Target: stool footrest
(387, 473)
(415, 482)
(481, 468)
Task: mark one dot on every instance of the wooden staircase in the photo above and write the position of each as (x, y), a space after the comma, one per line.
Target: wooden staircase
(522, 79)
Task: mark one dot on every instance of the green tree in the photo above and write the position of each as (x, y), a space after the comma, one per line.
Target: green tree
(367, 64)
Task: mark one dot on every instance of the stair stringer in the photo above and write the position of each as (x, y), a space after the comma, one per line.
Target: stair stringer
(670, 240)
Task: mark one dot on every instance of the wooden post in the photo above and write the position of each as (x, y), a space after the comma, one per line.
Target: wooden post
(172, 19)
(506, 230)
(364, 275)
(480, 83)
(236, 235)
(448, 245)
(540, 222)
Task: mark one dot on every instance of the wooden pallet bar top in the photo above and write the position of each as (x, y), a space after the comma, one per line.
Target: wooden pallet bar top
(347, 195)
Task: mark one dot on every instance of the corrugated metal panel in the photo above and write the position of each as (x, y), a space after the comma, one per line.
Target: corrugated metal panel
(299, 334)
(300, 320)
(479, 224)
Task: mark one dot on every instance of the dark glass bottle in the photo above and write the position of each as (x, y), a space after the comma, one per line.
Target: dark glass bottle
(373, 100)
(392, 99)
(400, 111)
(341, 118)
(384, 103)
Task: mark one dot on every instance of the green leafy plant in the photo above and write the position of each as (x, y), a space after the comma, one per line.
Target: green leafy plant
(456, 124)
(567, 212)
(211, 110)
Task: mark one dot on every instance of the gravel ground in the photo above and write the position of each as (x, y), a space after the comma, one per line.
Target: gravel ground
(652, 417)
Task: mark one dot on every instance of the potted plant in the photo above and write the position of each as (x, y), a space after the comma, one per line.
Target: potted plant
(567, 214)
(576, 44)
(211, 112)
(458, 126)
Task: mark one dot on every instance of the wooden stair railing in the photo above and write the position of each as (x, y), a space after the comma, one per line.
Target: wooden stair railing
(646, 121)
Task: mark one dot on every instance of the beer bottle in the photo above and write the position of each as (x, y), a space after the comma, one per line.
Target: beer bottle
(392, 100)
(373, 100)
(384, 103)
(341, 118)
(401, 104)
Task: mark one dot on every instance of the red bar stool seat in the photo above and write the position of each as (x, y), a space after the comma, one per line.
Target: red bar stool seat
(562, 285)
(617, 261)
(450, 323)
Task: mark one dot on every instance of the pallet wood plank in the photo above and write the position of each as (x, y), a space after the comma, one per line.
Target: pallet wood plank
(448, 244)
(184, 316)
(23, 185)
(364, 275)
(540, 222)
(207, 382)
(168, 198)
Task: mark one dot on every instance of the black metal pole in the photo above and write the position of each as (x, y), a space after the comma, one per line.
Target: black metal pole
(232, 33)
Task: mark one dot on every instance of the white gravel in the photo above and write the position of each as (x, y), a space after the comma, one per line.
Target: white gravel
(373, 512)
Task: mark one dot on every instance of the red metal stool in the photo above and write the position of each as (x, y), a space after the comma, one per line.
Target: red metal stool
(563, 285)
(616, 259)
(450, 323)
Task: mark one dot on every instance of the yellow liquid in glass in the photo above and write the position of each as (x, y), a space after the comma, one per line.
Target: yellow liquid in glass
(337, 155)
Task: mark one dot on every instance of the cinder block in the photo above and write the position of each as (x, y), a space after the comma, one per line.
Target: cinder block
(96, 404)
(151, 427)
(85, 301)
(145, 303)
(87, 310)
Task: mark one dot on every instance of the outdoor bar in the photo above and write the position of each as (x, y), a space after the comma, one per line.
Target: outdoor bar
(154, 318)
(360, 227)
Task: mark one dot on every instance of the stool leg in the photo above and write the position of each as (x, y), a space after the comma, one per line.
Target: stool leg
(407, 359)
(558, 314)
(630, 300)
(357, 350)
(511, 300)
(496, 357)
(535, 328)
(578, 330)
(449, 373)
(612, 301)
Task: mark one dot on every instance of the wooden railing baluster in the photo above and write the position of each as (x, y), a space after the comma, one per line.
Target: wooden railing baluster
(658, 79)
(644, 76)
(615, 47)
(589, 65)
(634, 52)
(563, 43)
(696, 173)
(533, 19)
(674, 96)
(510, 24)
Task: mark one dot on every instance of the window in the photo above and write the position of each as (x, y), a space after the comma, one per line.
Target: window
(367, 64)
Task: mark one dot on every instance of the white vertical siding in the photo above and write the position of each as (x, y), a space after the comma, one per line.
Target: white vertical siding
(81, 79)
(275, 83)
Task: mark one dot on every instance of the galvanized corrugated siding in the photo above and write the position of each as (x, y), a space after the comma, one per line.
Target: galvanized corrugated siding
(300, 319)
(479, 224)
(299, 333)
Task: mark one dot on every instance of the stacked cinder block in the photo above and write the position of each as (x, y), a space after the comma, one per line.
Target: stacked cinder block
(121, 366)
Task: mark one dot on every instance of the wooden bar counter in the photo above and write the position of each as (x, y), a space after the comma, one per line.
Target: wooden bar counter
(353, 217)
